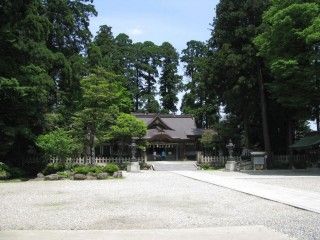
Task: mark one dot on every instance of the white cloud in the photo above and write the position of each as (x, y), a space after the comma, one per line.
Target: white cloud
(136, 31)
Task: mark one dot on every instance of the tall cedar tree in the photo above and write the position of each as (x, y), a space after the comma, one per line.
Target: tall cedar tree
(170, 81)
(237, 72)
(198, 99)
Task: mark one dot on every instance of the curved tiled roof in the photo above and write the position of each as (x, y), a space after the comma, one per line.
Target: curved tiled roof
(180, 126)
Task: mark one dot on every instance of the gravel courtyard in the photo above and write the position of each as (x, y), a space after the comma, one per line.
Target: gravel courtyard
(144, 201)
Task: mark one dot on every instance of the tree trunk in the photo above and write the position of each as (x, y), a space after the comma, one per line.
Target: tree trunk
(137, 93)
(290, 141)
(246, 132)
(265, 127)
(318, 119)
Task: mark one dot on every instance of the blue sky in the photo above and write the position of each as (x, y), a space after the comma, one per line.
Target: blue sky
(175, 21)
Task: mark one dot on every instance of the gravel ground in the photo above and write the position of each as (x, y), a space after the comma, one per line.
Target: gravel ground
(144, 200)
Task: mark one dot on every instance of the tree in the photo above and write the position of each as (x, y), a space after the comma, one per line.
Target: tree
(24, 80)
(208, 139)
(58, 143)
(125, 128)
(289, 43)
(198, 100)
(104, 97)
(236, 73)
(170, 81)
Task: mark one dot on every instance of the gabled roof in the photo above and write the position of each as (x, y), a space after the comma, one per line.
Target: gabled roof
(175, 126)
(307, 142)
(157, 121)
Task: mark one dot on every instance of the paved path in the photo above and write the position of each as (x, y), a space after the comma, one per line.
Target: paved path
(306, 200)
(174, 165)
(221, 233)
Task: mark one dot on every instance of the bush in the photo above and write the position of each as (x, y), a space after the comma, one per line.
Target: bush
(53, 168)
(17, 172)
(85, 169)
(205, 166)
(110, 168)
(4, 174)
(300, 164)
(123, 165)
(7, 172)
(65, 174)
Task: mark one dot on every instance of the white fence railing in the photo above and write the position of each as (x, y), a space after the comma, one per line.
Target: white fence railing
(97, 160)
(216, 160)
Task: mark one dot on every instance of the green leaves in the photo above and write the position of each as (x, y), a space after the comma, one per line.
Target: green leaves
(289, 32)
(103, 98)
(128, 126)
(58, 143)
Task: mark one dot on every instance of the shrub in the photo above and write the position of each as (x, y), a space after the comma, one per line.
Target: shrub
(7, 172)
(205, 166)
(65, 174)
(300, 164)
(53, 168)
(123, 165)
(4, 174)
(17, 172)
(110, 168)
(85, 169)
(58, 143)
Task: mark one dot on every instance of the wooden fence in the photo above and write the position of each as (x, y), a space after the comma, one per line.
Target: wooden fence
(217, 161)
(277, 161)
(97, 160)
(311, 160)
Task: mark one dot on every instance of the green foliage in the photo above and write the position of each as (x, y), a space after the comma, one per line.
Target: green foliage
(235, 68)
(288, 42)
(300, 164)
(104, 97)
(52, 168)
(4, 171)
(40, 68)
(65, 174)
(208, 138)
(170, 81)
(205, 166)
(110, 168)
(58, 143)
(128, 126)
(198, 100)
(7, 172)
(85, 169)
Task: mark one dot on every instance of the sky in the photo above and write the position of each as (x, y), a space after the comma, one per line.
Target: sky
(175, 21)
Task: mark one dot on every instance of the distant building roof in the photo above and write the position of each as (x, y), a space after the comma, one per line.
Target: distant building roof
(172, 126)
(313, 140)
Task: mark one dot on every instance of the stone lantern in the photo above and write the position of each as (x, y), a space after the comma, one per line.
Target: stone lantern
(133, 166)
(231, 164)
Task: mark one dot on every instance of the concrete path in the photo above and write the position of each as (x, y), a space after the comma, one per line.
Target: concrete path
(174, 165)
(221, 233)
(306, 200)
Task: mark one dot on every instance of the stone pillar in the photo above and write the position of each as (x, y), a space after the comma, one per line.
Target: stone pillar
(199, 155)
